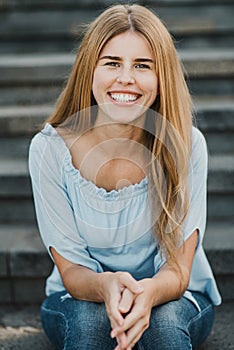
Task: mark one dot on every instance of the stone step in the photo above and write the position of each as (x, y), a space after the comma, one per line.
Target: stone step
(25, 262)
(16, 203)
(29, 26)
(38, 79)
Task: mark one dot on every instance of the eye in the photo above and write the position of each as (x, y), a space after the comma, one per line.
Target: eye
(142, 66)
(112, 64)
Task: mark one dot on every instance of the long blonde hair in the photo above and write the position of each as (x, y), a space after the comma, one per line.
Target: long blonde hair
(173, 104)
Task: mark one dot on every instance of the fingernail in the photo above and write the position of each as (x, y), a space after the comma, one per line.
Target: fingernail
(113, 334)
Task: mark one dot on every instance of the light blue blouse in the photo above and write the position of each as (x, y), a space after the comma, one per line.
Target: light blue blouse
(110, 231)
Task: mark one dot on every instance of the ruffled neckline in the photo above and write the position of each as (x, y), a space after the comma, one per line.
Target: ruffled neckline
(124, 192)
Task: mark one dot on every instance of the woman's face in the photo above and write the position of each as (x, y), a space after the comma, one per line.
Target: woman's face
(125, 84)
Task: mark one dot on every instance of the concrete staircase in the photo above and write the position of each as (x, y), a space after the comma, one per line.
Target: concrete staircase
(37, 45)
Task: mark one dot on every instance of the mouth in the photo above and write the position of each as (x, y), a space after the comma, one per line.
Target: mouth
(124, 97)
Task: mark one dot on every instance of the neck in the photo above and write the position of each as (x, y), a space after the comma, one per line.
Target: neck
(119, 139)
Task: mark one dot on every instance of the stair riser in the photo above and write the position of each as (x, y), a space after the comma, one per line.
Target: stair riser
(220, 143)
(226, 286)
(19, 290)
(19, 210)
(220, 206)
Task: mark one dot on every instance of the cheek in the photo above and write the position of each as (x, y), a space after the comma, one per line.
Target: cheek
(100, 82)
(150, 84)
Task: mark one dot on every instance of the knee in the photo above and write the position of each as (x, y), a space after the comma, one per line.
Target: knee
(77, 324)
(167, 330)
(93, 318)
(167, 315)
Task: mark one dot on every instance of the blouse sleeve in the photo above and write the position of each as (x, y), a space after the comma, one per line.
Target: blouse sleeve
(55, 215)
(197, 188)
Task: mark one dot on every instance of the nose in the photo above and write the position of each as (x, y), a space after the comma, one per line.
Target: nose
(126, 77)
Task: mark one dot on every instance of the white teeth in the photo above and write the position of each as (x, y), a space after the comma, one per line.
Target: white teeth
(124, 97)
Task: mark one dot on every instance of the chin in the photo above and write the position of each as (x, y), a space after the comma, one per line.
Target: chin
(124, 115)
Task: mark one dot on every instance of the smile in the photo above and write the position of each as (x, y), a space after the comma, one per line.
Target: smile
(124, 98)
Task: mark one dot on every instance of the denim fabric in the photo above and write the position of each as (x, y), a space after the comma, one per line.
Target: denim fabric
(80, 325)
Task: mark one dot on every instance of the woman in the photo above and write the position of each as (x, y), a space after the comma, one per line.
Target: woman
(119, 183)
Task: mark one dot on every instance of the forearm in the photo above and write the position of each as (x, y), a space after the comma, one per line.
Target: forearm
(166, 285)
(84, 284)
(170, 284)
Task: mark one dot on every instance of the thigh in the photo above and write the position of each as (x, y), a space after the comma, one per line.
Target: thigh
(72, 324)
(178, 325)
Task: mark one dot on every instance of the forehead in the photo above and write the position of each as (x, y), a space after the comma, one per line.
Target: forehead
(128, 43)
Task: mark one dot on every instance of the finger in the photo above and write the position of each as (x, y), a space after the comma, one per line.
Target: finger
(116, 318)
(137, 314)
(126, 301)
(135, 333)
(118, 347)
(112, 307)
(122, 340)
(129, 282)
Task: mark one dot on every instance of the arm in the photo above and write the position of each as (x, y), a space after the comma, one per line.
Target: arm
(85, 284)
(163, 287)
(167, 281)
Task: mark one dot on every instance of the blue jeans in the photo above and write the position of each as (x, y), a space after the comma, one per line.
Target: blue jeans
(81, 325)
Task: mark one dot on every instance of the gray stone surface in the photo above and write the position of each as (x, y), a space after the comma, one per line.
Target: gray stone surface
(26, 254)
(25, 266)
(220, 206)
(23, 121)
(18, 210)
(20, 329)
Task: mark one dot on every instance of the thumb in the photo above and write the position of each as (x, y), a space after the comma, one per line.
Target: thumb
(130, 283)
(126, 301)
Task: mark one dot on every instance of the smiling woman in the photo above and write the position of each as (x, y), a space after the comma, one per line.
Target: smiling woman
(119, 183)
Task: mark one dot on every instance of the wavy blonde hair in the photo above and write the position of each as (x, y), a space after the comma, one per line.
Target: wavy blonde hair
(173, 104)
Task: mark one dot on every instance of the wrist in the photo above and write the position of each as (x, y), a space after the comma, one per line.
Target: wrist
(150, 287)
(103, 281)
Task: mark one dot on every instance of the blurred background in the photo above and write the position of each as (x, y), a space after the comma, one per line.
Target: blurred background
(38, 41)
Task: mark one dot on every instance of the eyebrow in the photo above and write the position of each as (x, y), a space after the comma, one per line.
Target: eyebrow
(116, 58)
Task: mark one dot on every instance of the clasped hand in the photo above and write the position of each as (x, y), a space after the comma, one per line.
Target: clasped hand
(128, 304)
